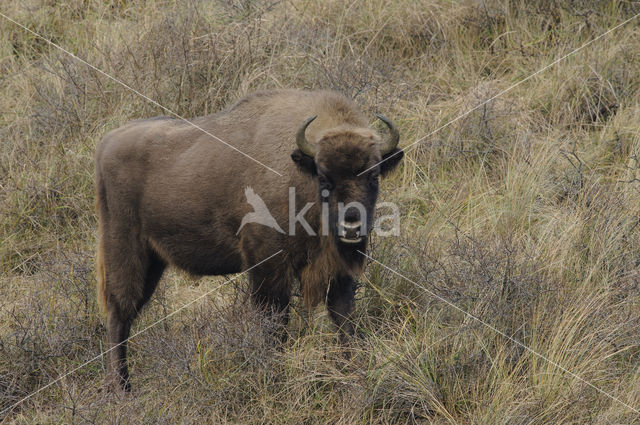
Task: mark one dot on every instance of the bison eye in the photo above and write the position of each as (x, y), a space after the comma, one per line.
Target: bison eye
(373, 179)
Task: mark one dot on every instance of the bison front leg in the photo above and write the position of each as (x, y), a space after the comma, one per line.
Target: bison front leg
(340, 303)
(271, 292)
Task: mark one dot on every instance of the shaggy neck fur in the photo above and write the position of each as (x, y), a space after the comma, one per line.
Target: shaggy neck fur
(328, 263)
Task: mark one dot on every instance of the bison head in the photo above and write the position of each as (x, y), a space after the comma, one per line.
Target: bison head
(346, 162)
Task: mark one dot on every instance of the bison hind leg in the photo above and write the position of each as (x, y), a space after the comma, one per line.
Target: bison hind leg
(118, 330)
(129, 285)
(154, 271)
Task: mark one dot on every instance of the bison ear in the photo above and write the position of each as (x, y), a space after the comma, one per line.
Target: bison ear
(390, 161)
(305, 163)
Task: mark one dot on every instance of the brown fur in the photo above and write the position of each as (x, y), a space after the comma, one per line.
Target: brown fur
(168, 194)
(100, 272)
(318, 274)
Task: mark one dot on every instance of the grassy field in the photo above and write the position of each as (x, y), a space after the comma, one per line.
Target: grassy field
(524, 213)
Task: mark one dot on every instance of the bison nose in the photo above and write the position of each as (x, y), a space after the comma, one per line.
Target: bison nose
(350, 231)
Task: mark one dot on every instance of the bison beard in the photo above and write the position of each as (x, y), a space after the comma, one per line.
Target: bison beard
(168, 194)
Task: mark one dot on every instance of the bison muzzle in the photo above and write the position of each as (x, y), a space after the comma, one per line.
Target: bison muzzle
(169, 194)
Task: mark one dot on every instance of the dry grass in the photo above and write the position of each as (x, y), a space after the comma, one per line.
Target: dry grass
(525, 213)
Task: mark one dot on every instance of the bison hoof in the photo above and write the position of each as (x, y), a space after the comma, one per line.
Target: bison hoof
(116, 384)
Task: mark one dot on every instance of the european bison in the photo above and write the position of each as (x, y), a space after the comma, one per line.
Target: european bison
(169, 194)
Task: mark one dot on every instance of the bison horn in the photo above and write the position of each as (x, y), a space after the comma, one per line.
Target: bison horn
(389, 143)
(301, 140)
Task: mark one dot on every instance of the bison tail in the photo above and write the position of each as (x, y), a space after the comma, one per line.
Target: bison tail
(101, 277)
